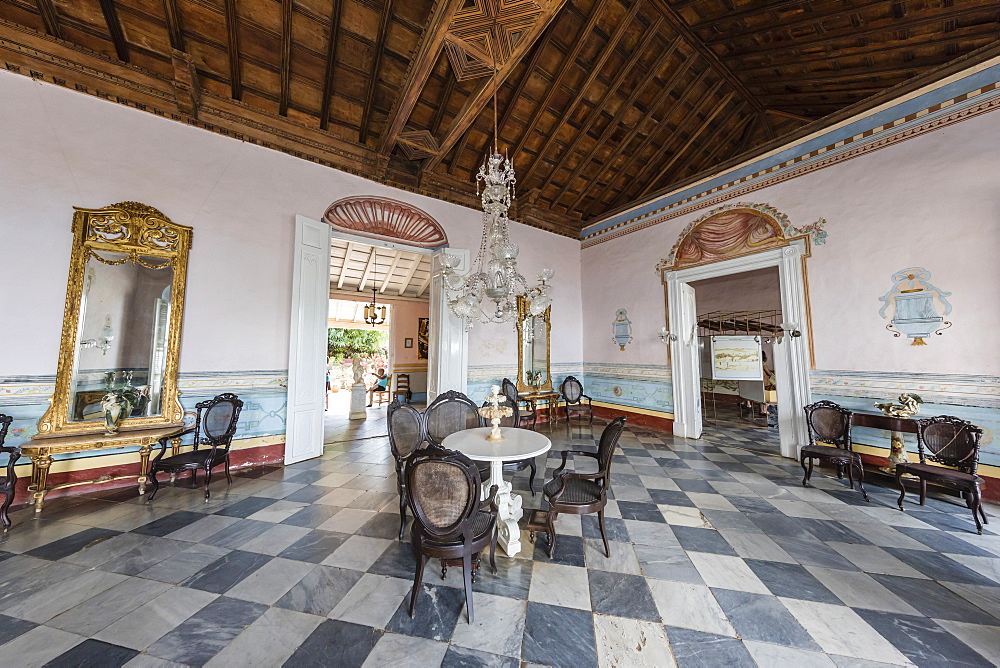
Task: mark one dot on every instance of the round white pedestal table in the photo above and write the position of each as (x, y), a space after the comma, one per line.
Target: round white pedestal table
(518, 444)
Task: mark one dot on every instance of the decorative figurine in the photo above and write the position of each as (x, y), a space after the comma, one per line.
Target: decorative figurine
(359, 373)
(909, 404)
(495, 411)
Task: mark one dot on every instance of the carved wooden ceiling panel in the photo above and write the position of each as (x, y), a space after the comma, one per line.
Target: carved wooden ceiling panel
(602, 103)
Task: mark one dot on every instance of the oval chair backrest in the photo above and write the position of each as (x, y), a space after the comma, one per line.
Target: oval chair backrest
(572, 389)
(514, 420)
(441, 488)
(608, 442)
(509, 390)
(5, 421)
(448, 413)
(950, 441)
(828, 422)
(406, 431)
(217, 419)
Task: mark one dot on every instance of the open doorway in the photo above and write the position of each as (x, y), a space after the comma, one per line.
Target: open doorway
(739, 315)
(392, 284)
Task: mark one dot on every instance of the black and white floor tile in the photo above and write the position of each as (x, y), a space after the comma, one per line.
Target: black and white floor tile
(719, 556)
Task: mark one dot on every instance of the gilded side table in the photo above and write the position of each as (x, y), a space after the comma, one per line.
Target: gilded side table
(41, 449)
(550, 397)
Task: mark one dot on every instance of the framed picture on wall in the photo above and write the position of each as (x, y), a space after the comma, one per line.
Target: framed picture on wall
(423, 332)
(736, 358)
(407, 343)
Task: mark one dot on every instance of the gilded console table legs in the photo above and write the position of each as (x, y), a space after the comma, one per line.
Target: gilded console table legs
(39, 479)
(175, 449)
(143, 467)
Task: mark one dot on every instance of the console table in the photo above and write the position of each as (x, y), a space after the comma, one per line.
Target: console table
(550, 397)
(896, 425)
(41, 449)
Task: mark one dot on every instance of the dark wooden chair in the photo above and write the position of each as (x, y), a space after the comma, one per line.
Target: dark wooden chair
(214, 426)
(831, 423)
(510, 467)
(954, 444)
(449, 522)
(8, 482)
(573, 396)
(529, 412)
(406, 435)
(452, 411)
(583, 493)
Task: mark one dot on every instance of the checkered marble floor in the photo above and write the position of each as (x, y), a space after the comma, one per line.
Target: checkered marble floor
(718, 557)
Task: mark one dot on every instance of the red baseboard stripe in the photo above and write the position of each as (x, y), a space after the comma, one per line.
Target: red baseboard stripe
(266, 454)
(634, 419)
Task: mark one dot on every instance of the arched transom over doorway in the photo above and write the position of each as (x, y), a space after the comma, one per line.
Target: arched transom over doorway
(386, 219)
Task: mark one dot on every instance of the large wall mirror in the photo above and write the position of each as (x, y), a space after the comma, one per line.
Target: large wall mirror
(533, 348)
(122, 321)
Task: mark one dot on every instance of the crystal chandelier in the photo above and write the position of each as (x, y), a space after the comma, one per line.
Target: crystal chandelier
(494, 275)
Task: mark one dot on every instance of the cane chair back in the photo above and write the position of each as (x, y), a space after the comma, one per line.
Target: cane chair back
(450, 412)
(216, 421)
(572, 389)
(406, 429)
(442, 488)
(830, 423)
(950, 441)
(609, 441)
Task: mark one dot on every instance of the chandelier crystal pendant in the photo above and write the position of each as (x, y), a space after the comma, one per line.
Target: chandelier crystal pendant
(494, 276)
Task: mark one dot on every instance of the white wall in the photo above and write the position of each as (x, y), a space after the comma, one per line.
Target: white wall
(932, 201)
(62, 148)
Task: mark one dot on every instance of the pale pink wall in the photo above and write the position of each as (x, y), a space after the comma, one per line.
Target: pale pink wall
(62, 148)
(750, 291)
(404, 326)
(932, 201)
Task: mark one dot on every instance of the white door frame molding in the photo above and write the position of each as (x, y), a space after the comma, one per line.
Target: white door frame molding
(448, 354)
(791, 363)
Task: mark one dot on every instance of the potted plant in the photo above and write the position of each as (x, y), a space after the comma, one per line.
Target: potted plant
(119, 399)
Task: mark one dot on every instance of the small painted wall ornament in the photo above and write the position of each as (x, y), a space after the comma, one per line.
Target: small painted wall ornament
(622, 328)
(915, 303)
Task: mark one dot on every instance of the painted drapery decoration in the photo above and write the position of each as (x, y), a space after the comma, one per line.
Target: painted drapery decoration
(915, 302)
(734, 230)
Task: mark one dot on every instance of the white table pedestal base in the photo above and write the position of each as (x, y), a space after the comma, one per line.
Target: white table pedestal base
(509, 510)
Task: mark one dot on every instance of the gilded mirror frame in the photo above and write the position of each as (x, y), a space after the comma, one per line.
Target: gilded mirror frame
(136, 231)
(522, 313)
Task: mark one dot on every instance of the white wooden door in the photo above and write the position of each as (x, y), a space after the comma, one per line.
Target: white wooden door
(307, 348)
(686, 367)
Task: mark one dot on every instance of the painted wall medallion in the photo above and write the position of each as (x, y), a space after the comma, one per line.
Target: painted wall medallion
(622, 328)
(915, 305)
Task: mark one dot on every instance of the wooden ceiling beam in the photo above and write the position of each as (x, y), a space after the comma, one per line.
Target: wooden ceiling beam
(392, 269)
(663, 95)
(810, 18)
(414, 263)
(115, 29)
(459, 149)
(662, 171)
(233, 44)
(343, 267)
(851, 32)
(785, 114)
(331, 64)
(372, 256)
(174, 30)
(420, 69)
(579, 42)
(781, 81)
(449, 88)
(522, 82)
(681, 27)
(478, 101)
(619, 114)
(50, 19)
(366, 112)
(595, 69)
(285, 73)
(634, 155)
(726, 141)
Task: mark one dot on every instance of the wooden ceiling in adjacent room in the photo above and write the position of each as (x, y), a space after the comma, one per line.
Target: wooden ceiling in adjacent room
(601, 102)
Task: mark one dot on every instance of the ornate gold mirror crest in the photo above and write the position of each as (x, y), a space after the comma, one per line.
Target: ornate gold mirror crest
(122, 320)
(533, 348)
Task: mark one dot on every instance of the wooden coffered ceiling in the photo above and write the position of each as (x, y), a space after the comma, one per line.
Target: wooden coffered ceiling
(601, 102)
